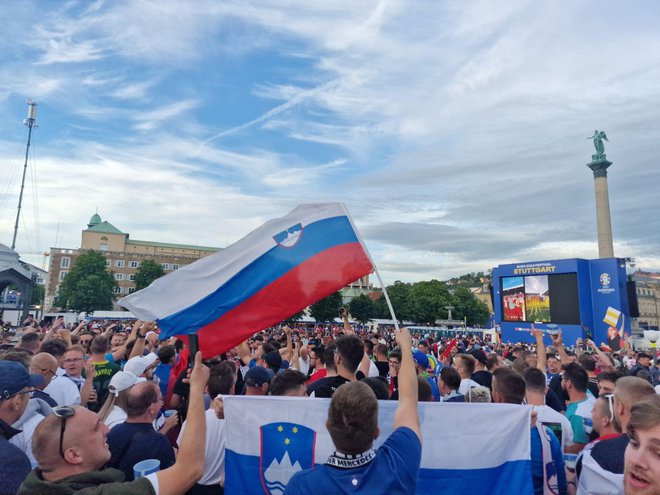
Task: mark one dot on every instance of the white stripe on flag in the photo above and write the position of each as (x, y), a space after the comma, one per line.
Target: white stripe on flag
(197, 280)
(455, 436)
(612, 316)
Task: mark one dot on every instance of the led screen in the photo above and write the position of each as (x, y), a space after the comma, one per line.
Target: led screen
(541, 298)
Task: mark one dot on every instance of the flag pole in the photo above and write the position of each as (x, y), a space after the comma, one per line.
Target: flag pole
(387, 297)
(380, 280)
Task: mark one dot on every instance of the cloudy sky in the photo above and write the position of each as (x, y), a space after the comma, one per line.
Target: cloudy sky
(454, 131)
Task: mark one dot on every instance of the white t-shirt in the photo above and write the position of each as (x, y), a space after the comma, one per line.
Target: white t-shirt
(373, 369)
(467, 384)
(546, 415)
(23, 440)
(63, 391)
(214, 453)
(303, 365)
(116, 417)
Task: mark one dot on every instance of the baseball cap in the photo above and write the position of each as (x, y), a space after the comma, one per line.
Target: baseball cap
(121, 381)
(138, 364)
(479, 355)
(273, 359)
(421, 359)
(14, 378)
(257, 376)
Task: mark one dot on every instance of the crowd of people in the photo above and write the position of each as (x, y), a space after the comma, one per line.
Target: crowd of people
(81, 405)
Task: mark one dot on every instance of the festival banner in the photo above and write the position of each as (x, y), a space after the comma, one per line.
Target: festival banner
(475, 448)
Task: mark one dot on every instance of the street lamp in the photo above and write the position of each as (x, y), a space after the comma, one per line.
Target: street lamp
(653, 336)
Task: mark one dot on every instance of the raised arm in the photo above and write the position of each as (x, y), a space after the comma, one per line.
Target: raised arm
(287, 352)
(406, 413)
(189, 464)
(80, 326)
(542, 362)
(295, 361)
(558, 342)
(243, 351)
(348, 329)
(603, 359)
(138, 347)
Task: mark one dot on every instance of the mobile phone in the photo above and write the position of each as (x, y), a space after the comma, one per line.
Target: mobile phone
(194, 347)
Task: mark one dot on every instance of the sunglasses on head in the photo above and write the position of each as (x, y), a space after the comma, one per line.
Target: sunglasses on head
(63, 412)
(610, 405)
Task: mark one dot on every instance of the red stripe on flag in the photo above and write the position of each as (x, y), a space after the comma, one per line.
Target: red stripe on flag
(312, 280)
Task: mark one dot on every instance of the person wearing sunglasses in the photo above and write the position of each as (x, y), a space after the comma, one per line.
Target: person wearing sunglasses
(587, 467)
(71, 449)
(16, 384)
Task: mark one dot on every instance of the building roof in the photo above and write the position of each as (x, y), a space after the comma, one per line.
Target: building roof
(9, 260)
(170, 245)
(104, 227)
(95, 220)
(8, 250)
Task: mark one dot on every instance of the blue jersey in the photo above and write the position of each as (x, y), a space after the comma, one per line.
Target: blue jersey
(402, 449)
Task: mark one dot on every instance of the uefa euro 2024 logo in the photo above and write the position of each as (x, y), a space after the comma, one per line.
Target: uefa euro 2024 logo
(604, 279)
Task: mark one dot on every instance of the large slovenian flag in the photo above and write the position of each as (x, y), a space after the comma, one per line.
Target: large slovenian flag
(466, 448)
(270, 274)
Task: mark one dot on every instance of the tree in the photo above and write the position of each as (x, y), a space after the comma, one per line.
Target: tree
(428, 301)
(147, 272)
(362, 308)
(399, 294)
(326, 309)
(88, 286)
(467, 305)
(294, 317)
(37, 295)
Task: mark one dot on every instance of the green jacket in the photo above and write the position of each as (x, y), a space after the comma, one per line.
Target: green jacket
(106, 482)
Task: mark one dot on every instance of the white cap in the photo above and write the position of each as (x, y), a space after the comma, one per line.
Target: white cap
(138, 364)
(121, 381)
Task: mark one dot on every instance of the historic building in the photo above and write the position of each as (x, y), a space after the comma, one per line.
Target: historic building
(648, 298)
(123, 256)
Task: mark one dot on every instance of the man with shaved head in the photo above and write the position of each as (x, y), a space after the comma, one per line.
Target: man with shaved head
(136, 440)
(70, 447)
(45, 365)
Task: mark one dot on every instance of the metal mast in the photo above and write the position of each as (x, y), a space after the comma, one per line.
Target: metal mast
(30, 122)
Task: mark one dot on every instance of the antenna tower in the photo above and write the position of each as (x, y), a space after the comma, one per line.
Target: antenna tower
(30, 122)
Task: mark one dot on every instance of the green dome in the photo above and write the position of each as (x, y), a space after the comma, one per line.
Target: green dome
(95, 220)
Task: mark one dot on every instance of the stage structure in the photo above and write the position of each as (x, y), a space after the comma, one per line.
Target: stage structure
(583, 298)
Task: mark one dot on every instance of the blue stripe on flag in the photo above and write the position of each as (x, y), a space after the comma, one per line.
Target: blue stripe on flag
(273, 264)
(511, 477)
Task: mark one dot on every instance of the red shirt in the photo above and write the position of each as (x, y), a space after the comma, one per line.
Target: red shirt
(317, 375)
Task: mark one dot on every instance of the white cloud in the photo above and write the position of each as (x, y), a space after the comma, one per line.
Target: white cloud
(455, 131)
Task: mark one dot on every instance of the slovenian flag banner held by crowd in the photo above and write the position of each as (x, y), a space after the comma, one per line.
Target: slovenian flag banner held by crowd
(466, 448)
(275, 271)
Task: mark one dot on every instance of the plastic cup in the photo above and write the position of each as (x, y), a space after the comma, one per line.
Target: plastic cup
(143, 468)
(169, 412)
(570, 460)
